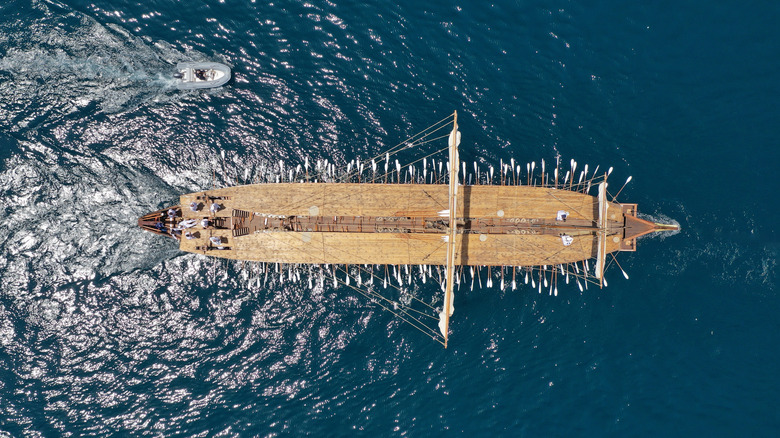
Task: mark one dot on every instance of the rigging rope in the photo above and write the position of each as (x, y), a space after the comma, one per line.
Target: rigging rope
(324, 262)
(413, 141)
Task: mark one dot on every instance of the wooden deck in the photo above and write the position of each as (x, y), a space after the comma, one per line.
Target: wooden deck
(401, 200)
(336, 223)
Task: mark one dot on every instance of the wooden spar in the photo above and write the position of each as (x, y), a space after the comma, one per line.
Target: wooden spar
(451, 230)
(601, 257)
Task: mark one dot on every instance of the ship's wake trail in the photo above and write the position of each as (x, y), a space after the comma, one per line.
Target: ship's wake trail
(70, 217)
(83, 285)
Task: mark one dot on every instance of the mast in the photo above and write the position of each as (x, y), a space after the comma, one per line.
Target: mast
(450, 238)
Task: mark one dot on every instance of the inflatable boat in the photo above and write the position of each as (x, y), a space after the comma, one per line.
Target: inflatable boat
(194, 75)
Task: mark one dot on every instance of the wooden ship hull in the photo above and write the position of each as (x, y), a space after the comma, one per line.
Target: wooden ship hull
(399, 224)
(530, 223)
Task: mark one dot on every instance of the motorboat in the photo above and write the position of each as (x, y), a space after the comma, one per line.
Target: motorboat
(196, 75)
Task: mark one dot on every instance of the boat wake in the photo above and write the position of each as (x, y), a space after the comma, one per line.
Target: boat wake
(112, 85)
(68, 62)
(660, 218)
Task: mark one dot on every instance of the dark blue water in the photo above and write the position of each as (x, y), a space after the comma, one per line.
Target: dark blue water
(105, 329)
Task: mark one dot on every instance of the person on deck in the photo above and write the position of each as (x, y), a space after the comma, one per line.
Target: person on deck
(215, 208)
(205, 223)
(216, 241)
(194, 206)
(189, 223)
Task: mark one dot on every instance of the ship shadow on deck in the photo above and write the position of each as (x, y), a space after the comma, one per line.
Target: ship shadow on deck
(464, 243)
(594, 248)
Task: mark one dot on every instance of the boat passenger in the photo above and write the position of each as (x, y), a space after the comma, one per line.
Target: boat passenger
(189, 223)
(200, 74)
(194, 206)
(216, 241)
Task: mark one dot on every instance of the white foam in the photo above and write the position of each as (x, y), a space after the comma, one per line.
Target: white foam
(661, 219)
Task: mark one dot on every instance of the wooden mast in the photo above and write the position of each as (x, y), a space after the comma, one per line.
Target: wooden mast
(451, 237)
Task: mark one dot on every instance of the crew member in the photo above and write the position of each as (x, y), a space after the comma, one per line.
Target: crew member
(216, 241)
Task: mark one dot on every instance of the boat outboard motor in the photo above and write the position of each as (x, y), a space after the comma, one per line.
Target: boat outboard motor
(178, 75)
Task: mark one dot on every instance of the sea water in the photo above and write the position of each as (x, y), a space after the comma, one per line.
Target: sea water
(108, 330)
